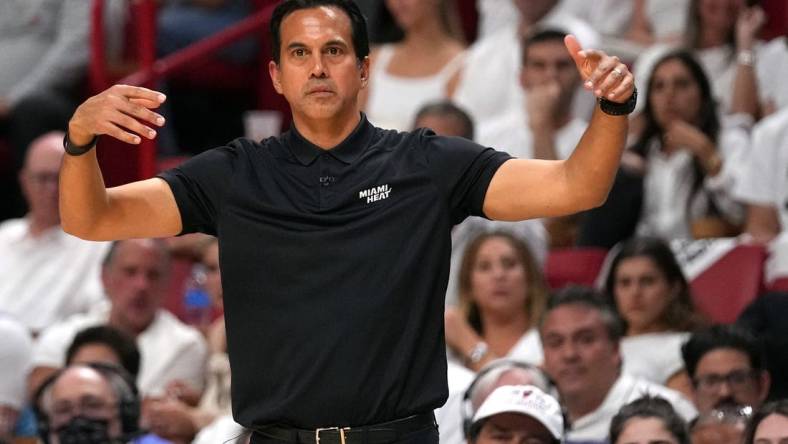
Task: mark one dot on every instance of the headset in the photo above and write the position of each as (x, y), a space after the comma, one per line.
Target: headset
(493, 371)
(122, 384)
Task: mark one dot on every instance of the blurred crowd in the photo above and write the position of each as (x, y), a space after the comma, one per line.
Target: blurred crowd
(96, 340)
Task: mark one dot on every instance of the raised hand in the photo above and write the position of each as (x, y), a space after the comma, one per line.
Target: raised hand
(605, 75)
(121, 112)
(748, 24)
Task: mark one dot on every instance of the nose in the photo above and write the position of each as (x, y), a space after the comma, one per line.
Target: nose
(318, 70)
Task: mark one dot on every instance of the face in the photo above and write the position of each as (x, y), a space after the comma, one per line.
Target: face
(39, 178)
(96, 353)
(135, 281)
(772, 430)
(675, 95)
(725, 378)
(443, 125)
(578, 353)
(318, 72)
(513, 428)
(645, 431)
(719, 14)
(407, 13)
(642, 293)
(213, 277)
(84, 392)
(498, 277)
(550, 62)
(532, 11)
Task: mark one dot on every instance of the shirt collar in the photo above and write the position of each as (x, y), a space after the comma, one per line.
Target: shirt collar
(347, 151)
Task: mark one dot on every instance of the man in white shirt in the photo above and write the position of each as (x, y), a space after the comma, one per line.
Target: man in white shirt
(580, 336)
(46, 275)
(135, 279)
(15, 357)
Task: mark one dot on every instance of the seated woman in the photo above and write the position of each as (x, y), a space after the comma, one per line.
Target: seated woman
(686, 157)
(415, 70)
(648, 419)
(502, 295)
(648, 289)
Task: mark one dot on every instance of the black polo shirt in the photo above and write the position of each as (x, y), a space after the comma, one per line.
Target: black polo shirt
(334, 267)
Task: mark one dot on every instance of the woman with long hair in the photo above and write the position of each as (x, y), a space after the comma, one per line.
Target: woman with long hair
(646, 286)
(502, 295)
(683, 152)
(416, 68)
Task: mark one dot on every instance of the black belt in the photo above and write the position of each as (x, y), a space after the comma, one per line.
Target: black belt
(382, 433)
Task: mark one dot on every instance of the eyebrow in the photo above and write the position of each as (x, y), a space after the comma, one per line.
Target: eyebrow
(333, 42)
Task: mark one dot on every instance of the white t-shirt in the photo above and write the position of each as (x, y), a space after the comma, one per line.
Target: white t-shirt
(595, 426)
(489, 86)
(169, 349)
(223, 430)
(50, 277)
(511, 133)
(772, 64)
(611, 17)
(528, 349)
(654, 357)
(448, 417)
(15, 351)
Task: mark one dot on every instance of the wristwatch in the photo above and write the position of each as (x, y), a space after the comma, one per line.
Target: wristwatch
(478, 352)
(77, 150)
(619, 109)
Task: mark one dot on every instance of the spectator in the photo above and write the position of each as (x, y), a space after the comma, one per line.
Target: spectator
(502, 296)
(522, 413)
(103, 344)
(48, 275)
(543, 127)
(135, 277)
(648, 420)
(687, 158)
(769, 425)
(496, 60)
(765, 318)
(580, 336)
(445, 119)
(415, 70)
(764, 189)
(88, 404)
(727, 367)
(15, 357)
(651, 294)
(772, 63)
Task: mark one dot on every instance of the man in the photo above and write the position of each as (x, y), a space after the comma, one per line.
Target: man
(495, 60)
(445, 119)
(515, 414)
(727, 368)
(15, 356)
(88, 404)
(135, 279)
(323, 229)
(580, 337)
(47, 275)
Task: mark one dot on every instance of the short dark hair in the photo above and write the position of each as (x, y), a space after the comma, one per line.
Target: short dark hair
(770, 408)
(590, 298)
(445, 108)
(650, 407)
(357, 21)
(121, 343)
(541, 35)
(721, 336)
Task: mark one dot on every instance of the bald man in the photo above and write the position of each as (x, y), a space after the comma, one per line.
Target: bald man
(47, 275)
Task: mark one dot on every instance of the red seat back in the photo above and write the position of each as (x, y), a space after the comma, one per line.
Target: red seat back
(581, 266)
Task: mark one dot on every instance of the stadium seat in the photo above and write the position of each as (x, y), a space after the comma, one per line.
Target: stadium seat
(580, 266)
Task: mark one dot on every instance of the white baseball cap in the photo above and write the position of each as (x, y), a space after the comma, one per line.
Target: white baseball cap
(526, 400)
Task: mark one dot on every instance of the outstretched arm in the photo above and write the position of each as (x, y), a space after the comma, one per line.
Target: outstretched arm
(140, 209)
(528, 188)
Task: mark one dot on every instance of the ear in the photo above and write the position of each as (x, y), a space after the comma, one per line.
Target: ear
(364, 71)
(765, 384)
(273, 71)
(523, 83)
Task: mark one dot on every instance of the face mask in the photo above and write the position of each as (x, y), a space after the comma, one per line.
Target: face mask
(82, 430)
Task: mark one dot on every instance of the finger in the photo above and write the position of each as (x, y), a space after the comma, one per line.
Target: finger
(133, 125)
(151, 104)
(141, 112)
(603, 69)
(575, 50)
(138, 92)
(611, 80)
(623, 91)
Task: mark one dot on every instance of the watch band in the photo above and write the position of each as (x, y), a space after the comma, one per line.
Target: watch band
(77, 150)
(478, 352)
(619, 109)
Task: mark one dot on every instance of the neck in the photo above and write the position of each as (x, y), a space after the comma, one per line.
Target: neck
(502, 331)
(646, 329)
(39, 225)
(426, 36)
(581, 404)
(327, 133)
(561, 118)
(117, 322)
(710, 38)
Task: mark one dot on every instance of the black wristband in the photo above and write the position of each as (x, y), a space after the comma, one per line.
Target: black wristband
(75, 150)
(619, 109)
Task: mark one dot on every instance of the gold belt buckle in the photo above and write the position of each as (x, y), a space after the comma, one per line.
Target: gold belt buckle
(341, 431)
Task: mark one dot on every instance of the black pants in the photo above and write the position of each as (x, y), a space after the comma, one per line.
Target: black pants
(426, 436)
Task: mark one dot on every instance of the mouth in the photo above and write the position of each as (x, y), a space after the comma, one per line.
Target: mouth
(320, 91)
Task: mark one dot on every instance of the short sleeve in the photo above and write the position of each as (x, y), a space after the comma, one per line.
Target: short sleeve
(758, 176)
(462, 170)
(199, 186)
